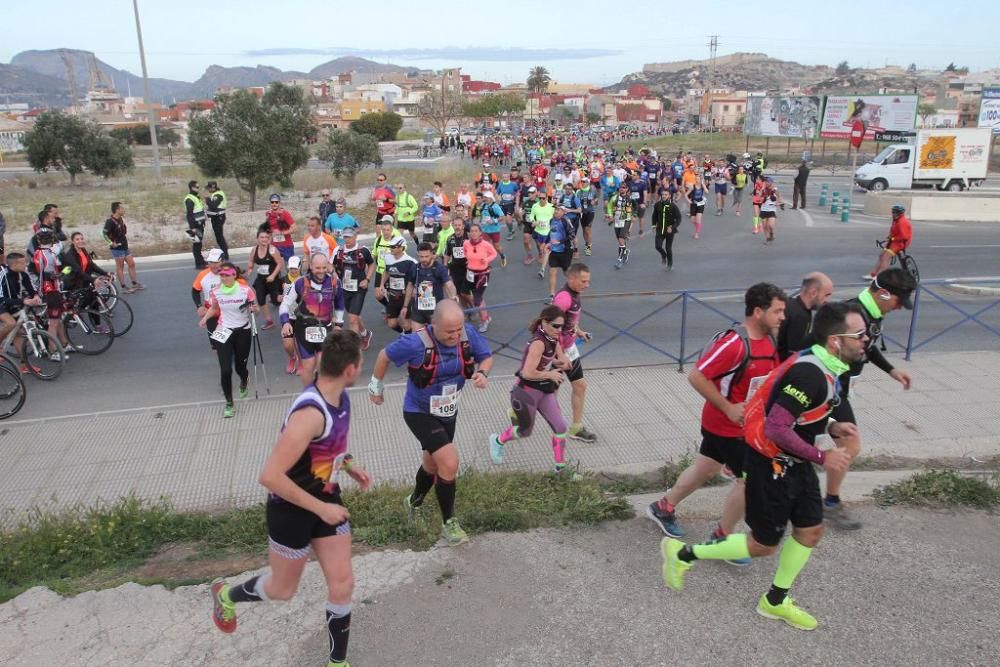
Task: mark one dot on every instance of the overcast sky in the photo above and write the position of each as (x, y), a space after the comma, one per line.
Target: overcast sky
(592, 41)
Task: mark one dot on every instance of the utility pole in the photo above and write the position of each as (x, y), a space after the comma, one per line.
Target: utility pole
(145, 94)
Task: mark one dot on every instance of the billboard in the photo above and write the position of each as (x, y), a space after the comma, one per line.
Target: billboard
(783, 116)
(879, 113)
(989, 109)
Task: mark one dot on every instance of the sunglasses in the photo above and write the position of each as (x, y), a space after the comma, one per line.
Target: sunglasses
(857, 335)
(381, 180)
(556, 325)
(325, 196)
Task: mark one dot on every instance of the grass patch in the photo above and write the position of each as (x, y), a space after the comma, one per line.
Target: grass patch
(942, 488)
(657, 480)
(89, 547)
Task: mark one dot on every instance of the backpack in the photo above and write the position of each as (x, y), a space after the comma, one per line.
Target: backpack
(737, 373)
(425, 374)
(755, 410)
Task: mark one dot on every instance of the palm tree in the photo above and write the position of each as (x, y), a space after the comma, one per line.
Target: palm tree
(538, 79)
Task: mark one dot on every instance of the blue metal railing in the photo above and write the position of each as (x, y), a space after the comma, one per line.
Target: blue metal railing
(698, 297)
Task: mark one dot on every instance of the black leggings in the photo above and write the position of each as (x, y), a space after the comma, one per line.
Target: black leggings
(220, 239)
(235, 350)
(665, 246)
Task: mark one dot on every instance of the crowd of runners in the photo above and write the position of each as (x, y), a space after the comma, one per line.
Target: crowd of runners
(776, 385)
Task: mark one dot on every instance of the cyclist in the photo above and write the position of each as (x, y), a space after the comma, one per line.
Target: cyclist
(230, 302)
(45, 265)
(304, 506)
(355, 266)
(538, 378)
(428, 284)
(899, 239)
(313, 305)
(618, 214)
(16, 291)
(265, 265)
(440, 359)
(81, 272)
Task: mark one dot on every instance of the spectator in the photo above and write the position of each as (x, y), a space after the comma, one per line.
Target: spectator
(116, 234)
(326, 205)
(799, 186)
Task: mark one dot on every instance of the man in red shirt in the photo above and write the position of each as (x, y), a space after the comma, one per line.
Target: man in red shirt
(729, 371)
(281, 224)
(384, 198)
(540, 172)
(900, 236)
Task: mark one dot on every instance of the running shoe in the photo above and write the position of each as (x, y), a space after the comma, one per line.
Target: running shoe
(582, 434)
(510, 236)
(618, 265)
(627, 254)
(641, 233)
(453, 534)
(268, 324)
(138, 286)
(411, 509)
(665, 521)
(128, 290)
(587, 251)
(714, 537)
(737, 213)
(868, 276)
(496, 449)
(550, 299)
(484, 326)
(529, 260)
(293, 364)
(787, 611)
(337, 664)
(838, 517)
(223, 613)
(663, 260)
(228, 411)
(244, 391)
(541, 273)
(366, 340)
(503, 261)
(33, 369)
(53, 356)
(673, 567)
(565, 472)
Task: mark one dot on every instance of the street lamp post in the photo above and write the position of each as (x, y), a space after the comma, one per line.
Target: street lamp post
(145, 93)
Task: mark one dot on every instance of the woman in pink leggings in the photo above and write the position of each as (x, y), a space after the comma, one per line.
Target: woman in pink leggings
(538, 380)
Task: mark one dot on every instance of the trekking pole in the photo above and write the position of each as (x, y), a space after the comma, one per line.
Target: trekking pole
(254, 343)
(263, 368)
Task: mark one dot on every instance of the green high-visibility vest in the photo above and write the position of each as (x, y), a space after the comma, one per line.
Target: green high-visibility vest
(198, 208)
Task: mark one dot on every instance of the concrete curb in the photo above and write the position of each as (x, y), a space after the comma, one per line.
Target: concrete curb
(973, 290)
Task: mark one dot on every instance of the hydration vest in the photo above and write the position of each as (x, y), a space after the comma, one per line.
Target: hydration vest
(737, 373)
(425, 374)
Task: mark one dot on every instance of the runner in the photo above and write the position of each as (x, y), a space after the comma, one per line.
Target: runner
(407, 208)
(313, 306)
(384, 197)
(385, 233)
(666, 220)
(794, 334)
(430, 215)
(526, 200)
(489, 214)
(507, 190)
(454, 257)
(304, 506)
(339, 219)
(728, 372)
(229, 303)
(429, 284)
(637, 193)
(720, 181)
(587, 195)
(391, 291)
(316, 240)
(288, 344)
(769, 209)
(739, 185)
(281, 225)
(440, 359)
(203, 284)
(572, 206)
(534, 392)
(540, 216)
(478, 255)
(355, 267)
(696, 196)
(900, 237)
(757, 198)
(562, 239)
(569, 300)
(784, 487)
(265, 265)
(618, 214)
(440, 198)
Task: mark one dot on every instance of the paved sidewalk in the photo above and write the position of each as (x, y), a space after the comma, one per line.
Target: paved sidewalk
(643, 417)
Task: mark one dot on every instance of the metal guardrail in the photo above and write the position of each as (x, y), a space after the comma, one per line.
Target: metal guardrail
(684, 350)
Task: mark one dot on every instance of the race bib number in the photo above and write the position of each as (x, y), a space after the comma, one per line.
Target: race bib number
(851, 385)
(458, 252)
(349, 283)
(278, 238)
(507, 197)
(573, 352)
(699, 202)
(425, 297)
(221, 335)
(755, 384)
(429, 230)
(445, 405)
(634, 196)
(396, 284)
(263, 270)
(470, 276)
(315, 334)
(619, 222)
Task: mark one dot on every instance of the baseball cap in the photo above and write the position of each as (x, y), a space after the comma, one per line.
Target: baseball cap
(558, 176)
(386, 218)
(275, 197)
(899, 282)
(214, 255)
(398, 242)
(532, 189)
(349, 231)
(488, 195)
(294, 262)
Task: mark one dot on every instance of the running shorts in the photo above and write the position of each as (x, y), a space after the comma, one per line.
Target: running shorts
(771, 503)
(432, 432)
(727, 451)
(290, 528)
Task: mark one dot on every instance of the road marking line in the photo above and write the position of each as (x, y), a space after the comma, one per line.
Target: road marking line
(809, 219)
(978, 245)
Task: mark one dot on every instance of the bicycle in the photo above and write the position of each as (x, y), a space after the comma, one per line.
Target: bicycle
(906, 262)
(42, 354)
(106, 300)
(13, 392)
(90, 330)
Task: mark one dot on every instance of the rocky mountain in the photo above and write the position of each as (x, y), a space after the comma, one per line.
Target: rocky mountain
(40, 77)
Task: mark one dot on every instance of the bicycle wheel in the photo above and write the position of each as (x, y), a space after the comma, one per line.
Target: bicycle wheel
(13, 393)
(43, 355)
(121, 316)
(109, 293)
(85, 336)
(910, 266)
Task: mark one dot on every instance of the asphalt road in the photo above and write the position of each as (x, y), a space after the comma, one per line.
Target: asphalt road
(166, 359)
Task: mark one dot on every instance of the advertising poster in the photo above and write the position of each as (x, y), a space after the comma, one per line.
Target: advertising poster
(879, 113)
(989, 109)
(796, 117)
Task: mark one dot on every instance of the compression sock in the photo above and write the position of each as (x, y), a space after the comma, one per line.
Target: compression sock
(251, 590)
(756, 222)
(697, 229)
(621, 253)
(424, 482)
(338, 627)
(510, 433)
(445, 491)
(733, 547)
(791, 561)
(559, 448)
(831, 500)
